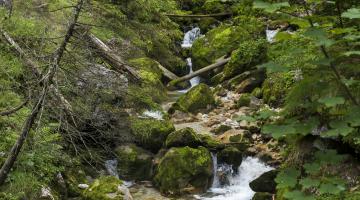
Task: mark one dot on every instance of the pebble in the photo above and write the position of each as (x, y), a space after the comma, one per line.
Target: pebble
(83, 186)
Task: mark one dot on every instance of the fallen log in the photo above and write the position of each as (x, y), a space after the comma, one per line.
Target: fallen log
(111, 57)
(219, 62)
(200, 16)
(167, 73)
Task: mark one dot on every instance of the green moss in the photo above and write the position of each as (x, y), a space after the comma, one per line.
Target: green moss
(183, 137)
(182, 168)
(104, 188)
(210, 143)
(244, 100)
(150, 133)
(136, 163)
(73, 177)
(198, 98)
(230, 155)
(262, 196)
(221, 129)
(244, 58)
(257, 93)
(276, 87)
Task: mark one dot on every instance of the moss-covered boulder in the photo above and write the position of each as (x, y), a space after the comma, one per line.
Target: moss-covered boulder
(184, 170)
(244, 100)
(221, 129)
(262, 196)
(197, 98)
(183, 137)
(135, 162)
(104, 188)
(151, 133)
(265, 182)
(73, 177)
(245, 57)
(209, 142)
(231, 156)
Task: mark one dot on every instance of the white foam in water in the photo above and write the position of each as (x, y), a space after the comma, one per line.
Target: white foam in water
(190, 37)
(270, 35)
(239, 189)
(153, 114)
(195, 80)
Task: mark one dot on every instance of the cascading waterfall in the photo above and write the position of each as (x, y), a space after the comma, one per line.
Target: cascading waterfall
(188, 41)
(270, 35)
(111, 167)
(238, 187)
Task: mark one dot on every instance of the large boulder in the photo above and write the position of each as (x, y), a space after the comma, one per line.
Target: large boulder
(151, 133)
(105, 188)
(231, 156)
(184, 170)
(135, 162)
(183, 137)
(262, 196)
(245, 57)
(198, 98)
(265, 183)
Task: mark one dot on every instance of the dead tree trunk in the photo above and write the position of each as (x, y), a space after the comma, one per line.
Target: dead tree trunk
(15, 150)
(33, 66)
(14, 110)
(111, 57)
(220, 62)
(167, 73)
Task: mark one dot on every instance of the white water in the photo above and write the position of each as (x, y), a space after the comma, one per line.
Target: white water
(188, 41)
(190, 37)
(111, 167)
(271, 34)
(239, 189)
(155, 114)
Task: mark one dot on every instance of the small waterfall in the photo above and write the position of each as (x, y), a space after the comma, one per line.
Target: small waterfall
(190, 37)
(155, 114)
(188, 41)
(270, 35)
(111, 167)
(238, 188)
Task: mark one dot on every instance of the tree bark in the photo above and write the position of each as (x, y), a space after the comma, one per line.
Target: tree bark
(111, 57)
(167, 73)
(200, 16)
(220, 62)
(15, 150)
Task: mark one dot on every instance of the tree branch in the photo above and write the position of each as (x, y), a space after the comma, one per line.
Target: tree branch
(14, 110)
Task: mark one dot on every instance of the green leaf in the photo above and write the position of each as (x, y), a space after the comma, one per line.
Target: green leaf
(287, 178)
(352, 13)
(332, 101)
(297, 195)
(329, 157)
(245, 118)
(307, 126)
(340, 127)
(350, 53)
(309, 183)
(312, 168)
(270, 7)
(353, 116)
(265, 114)
(273, 67)
(328, 188)
(281, 36)
(277, 131)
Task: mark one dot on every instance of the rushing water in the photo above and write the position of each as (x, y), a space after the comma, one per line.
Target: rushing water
(188, 41)
(238, 188)
(270, 35)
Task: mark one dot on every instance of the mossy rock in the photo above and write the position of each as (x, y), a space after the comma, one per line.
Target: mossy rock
(183, 137)
(245, 57)
(151, 134)
(104, 188)
(221, 129)
(209, 142)
(218, 42)
(197, 98)
(262, 196)
(231, 156)
(244, 100)
(276, 87)
(265, 182)
(257, 93)
(184, 170)
(135, 162)
(73, 177)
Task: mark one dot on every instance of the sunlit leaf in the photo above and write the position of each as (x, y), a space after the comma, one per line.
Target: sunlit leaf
(328, 188)
(287, 178)
(350, 53)
(332, 101)
(353, 13)
(309, 183)
(270, 7)
(277, 131)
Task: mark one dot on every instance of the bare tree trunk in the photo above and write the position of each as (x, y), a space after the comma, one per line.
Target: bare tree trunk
(111, 57)
(15, 150)
(167, 73)
(220, 62)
